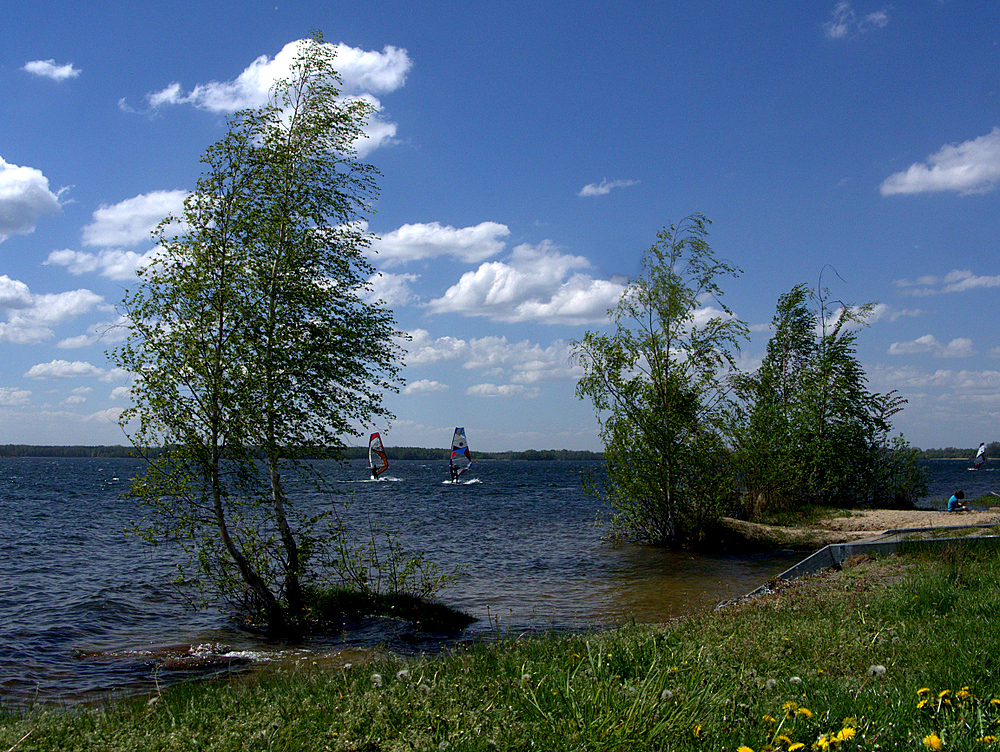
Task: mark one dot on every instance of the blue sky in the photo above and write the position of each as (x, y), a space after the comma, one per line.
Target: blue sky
(529, 154)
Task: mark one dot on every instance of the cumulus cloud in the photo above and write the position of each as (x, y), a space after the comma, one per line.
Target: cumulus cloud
(106, 332)
(391, 289)
(13, 397)
(969, 167)
(960, 347)
(113, 263)
(957, 280)
(604, 187)
(422, 350)
(51, 69)
(64, 369)
(502, 390)
(131, 221)
(363, 73)
(425, 386)
(845, 23)
(432, 239)
(24, 199)
(523, 362)
(536, 283)
(14, 293)
(31, 317)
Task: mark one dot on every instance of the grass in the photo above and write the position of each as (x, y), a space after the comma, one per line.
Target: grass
(891, 653)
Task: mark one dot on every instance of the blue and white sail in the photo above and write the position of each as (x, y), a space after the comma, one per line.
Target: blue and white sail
(980, 456)
(461, 457)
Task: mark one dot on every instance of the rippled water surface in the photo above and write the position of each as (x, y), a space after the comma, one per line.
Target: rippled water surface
(86, 612)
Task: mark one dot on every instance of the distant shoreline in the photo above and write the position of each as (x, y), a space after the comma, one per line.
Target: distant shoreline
(350, 453)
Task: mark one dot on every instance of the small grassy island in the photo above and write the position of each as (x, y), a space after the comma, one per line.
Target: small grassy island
(892, 653)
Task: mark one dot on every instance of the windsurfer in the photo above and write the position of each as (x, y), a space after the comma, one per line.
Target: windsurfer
(454, 472)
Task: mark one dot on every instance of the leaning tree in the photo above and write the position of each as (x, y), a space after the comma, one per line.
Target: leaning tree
(250, 341)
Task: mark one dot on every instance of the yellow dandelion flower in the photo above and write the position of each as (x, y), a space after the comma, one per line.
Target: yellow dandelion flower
(846, 734)
(933, 742)
(697, 731)
(924, 691)
(769, 719)
(995, 702)
(922, 703)
(782, 740)
(805, 712)
(744, 749)
(987, 740)
(944, 693)
(789, 707)
(963, 694)
(823, 743)
(796, 746)
(820, 672)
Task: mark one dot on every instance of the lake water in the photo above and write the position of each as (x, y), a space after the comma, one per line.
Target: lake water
(87, 613)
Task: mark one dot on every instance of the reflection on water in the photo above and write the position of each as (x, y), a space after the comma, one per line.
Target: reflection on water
(86, 612)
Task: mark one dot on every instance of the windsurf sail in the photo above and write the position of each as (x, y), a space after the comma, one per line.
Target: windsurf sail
(459, 449)
(980, 456)
(377, 459)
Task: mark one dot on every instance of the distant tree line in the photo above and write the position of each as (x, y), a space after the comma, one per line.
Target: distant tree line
(350, 453)
(958, 453)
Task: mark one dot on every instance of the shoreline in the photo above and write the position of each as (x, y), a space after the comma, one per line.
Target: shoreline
(854, 526)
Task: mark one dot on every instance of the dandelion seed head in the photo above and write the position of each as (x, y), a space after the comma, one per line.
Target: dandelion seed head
(525, 677)
(796, 680)
(666, 695)
(771, 683)
(876, 670)
(402, 674)
(377, 680)
(423, 688)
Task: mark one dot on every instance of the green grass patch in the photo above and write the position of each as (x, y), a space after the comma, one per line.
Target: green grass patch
(889, 653)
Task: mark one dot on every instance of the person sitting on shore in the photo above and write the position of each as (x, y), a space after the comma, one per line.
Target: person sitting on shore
(955, 503)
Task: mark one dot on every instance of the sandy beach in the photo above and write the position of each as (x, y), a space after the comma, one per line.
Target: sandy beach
(861, 524)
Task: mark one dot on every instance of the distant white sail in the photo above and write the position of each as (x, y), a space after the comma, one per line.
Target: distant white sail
(377, 459)
(980, 456)
(459, 450)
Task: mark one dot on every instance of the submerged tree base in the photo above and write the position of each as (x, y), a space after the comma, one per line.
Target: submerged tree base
(334, 608)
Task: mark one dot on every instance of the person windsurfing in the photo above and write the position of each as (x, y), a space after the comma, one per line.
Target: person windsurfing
(980, 457)
(459, 449)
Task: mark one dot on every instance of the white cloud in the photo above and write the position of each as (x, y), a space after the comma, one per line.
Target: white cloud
(120, 393)
(957, 280)
(14, 293)
(391, 289)
(425, 386)
(969, 167)
(525, 362)
(105, 332)
(113, 263)
(24, 198)
(12, 397)
(536, 283)
(502, 390)
(131, 221)
(64, 369)
(432, 239)
(421, 350)
(51, 69)
(604, 187)
(844, 22)
(960, 347)
(78, 396)
(30, 321)
(362, 72)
